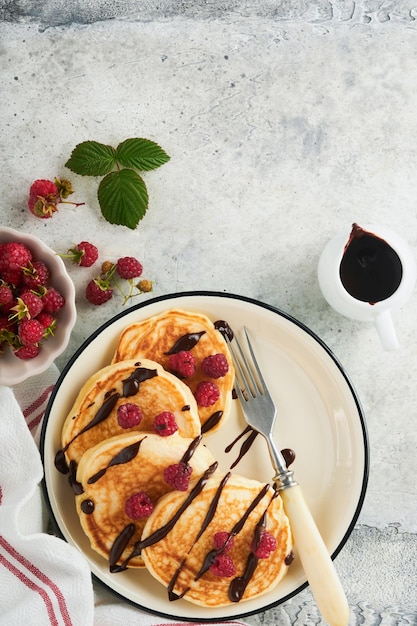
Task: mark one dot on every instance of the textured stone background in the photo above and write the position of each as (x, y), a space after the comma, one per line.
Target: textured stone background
(314, 103)
(60, 12)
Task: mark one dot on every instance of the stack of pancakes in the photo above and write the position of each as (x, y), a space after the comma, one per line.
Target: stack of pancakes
(111, 462)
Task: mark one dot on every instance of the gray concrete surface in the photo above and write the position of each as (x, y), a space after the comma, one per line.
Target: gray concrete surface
(284, 120)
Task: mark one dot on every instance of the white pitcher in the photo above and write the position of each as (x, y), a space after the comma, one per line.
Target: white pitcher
(385, 246)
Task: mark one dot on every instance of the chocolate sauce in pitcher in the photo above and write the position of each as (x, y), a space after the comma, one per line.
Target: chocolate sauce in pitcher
(370, 269)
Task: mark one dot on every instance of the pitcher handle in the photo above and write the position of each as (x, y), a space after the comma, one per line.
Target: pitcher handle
(386, 330)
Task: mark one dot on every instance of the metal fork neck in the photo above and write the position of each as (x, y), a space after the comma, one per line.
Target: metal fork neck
(283, 476)
(285, 480)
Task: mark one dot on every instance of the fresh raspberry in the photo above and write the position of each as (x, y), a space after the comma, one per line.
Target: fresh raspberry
(129, 415)
(178, 476)
(215, 365)
(28, 305)
(266, 544)
(128, 267)
(12, 277)
(182, 363)
(84, 254)
(14, 256)
(30, 331)
(207, 393)
(27, 352)
(139, 505)
(223, 541)
(6, 295)
(53, 301)
(98, 293)
(223, 566)
(164, 424)
(48, 322)
(35, 275)
(43, 198)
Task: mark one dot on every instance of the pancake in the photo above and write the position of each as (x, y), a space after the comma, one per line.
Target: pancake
(178, 330)
(144, 383)
(113, 471)
(178, 554)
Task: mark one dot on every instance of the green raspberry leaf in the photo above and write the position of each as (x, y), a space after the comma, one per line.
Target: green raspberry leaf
(92, 158)
(123, 198)
(141, 154)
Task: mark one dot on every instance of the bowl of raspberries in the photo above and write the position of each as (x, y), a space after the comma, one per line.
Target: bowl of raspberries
(37, 306)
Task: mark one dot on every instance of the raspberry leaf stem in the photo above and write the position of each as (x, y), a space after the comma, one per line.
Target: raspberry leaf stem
(123, 198)
(141, 154)
(91, 158)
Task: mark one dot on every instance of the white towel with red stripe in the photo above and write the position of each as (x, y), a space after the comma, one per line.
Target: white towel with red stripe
(43, 580)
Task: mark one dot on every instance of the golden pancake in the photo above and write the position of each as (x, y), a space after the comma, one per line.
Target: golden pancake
(121, 478)
(95, 415)
(171, 332)
(180, 542)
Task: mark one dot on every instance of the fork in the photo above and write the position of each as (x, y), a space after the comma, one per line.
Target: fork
(260, 412)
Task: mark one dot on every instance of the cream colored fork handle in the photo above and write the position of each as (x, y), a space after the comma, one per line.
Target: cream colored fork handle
(317, 564)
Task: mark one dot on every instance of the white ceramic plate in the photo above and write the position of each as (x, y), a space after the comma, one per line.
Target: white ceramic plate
(319, 417)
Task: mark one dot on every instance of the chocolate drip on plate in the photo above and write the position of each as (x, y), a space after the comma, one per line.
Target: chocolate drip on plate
(223, 327)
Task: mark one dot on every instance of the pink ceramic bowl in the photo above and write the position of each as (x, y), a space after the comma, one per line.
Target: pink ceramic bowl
(12, 369)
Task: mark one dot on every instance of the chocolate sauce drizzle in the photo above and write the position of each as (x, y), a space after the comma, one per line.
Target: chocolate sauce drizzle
(119, 546)
(289, 558)
(139, 375)
(223, 327)
(211, 422)
(164, 530)
(186, 342)
(171, 593)
(72, 479)
(87, 506)
(246, 445)
(235, 530)
(213, 506)
(191, 449)
(287, 453)
(238, 585)
(130, 387)
(209, 516)
(124, 456)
